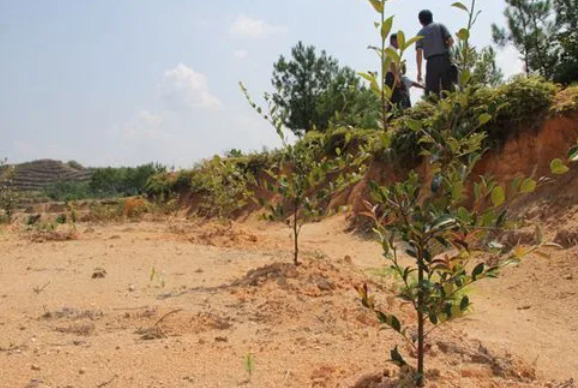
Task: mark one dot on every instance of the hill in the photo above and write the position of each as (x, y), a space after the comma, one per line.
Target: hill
(32, 178)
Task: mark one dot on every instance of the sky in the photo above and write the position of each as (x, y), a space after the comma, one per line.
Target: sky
(126, 82)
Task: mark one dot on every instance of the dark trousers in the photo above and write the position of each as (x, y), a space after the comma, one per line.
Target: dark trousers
(400, 96)
(438, 77)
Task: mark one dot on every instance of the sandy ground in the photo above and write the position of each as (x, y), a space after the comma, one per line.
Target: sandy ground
(85, 313)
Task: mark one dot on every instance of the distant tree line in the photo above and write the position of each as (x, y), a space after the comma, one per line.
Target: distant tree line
(106, 182)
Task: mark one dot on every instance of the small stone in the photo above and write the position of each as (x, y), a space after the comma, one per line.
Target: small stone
(347, 259)
(131, 288)
(568, 277)
(81, 371)
(324, 285)
(35, 367)
(221, 339)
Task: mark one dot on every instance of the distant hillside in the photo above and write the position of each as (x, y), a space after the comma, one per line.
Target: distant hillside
(31, 178)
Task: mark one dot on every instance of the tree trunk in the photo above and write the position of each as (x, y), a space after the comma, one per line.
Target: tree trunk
(295, 234)
(420, 323)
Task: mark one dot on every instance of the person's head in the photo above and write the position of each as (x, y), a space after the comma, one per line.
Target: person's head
(425, 17)
(393, 40)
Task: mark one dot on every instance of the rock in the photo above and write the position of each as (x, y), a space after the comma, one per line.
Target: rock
(325, 285)
(568, 277)
(81, 371)
(221, 339)
(35, 367)
(131, 288)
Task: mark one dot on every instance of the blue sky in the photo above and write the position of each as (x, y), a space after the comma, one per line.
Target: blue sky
(123, 82)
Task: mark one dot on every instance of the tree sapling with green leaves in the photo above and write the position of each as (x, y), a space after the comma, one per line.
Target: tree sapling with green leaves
(8, 193)
(432, 232)
(304, 177)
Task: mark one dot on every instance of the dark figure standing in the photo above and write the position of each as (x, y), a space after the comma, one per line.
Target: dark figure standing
(435, 48)
(393, 79)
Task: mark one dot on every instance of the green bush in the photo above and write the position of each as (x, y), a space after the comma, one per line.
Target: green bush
(69, 191)
(123, 181)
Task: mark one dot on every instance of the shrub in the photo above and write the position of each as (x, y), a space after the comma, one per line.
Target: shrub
(69, 191)
(421, 217)
(8, 194)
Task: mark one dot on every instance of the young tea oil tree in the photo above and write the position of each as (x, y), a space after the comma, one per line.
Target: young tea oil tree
(304, 177)
(418, 217)
(388, 56)
(8, 194)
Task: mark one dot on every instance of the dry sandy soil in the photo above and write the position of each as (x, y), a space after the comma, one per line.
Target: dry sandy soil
(85, 312)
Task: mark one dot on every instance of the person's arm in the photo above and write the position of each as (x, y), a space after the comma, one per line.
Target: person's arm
(449, 40)
(419, 64)
(417, 85)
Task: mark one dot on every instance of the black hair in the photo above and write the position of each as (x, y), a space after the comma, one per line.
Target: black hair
(392, 37)
(426, 17)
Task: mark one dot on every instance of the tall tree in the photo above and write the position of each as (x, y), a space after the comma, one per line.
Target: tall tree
(567, 22)
(531, 30)
(486, 70)
(481, 64)
(311, 89)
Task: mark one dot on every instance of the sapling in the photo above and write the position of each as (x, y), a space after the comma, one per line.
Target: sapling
(8, 194)
(387, 57)
(304, 177)
(453, 212)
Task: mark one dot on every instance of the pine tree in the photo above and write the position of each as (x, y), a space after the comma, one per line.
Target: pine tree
(532, 31)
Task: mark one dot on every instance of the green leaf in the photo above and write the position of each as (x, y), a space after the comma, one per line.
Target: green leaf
(528, 186)
(461, 6)
(573, 154)
(396, 358)
(377, 5)
(401, 40)
(389, 320)
(457, 191)
(393, 54)
(463, 34)
(386, 27)
(367, 76)
(558, 167)
(464, 215)
(443, 222)
(414, 125)
(413, 40)
(484, 118)
(498, 196)
(478, 271)
(465, 77)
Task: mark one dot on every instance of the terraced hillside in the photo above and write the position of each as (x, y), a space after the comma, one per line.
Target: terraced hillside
(31, 178)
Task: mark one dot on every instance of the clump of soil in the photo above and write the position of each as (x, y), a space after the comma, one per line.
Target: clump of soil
(567, 238)
(41, 236)
(222, 236)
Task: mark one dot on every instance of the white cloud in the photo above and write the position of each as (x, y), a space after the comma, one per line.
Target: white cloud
(241, 54)
(143, 125)
(182, 88)
(245, 26)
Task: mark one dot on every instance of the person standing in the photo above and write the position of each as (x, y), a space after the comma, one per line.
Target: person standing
(393, 79)
(435, 48)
